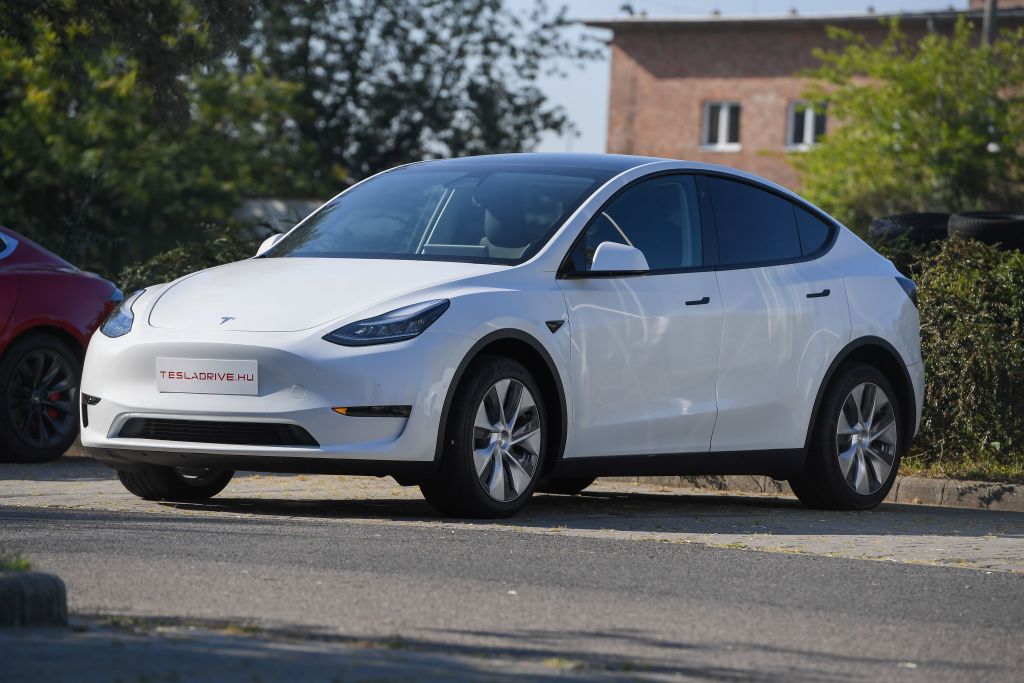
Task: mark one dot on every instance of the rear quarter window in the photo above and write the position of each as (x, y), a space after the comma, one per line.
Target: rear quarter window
(814, 232)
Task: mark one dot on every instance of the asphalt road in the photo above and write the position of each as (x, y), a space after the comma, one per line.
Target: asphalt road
(434, 601)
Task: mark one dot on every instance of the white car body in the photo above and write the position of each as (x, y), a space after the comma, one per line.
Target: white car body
(641, 382)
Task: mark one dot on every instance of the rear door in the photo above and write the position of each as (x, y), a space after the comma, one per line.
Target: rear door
(785, 316)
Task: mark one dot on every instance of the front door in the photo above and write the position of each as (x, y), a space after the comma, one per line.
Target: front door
(645, 347)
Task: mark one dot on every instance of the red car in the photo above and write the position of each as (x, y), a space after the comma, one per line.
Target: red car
(48, 311)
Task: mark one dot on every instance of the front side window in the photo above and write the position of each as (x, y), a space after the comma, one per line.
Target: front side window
(754, 226)
(660, 217)
(489, 213)
(720, 129)
(806, 125)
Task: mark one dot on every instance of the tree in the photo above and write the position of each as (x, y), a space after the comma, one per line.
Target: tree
(386, 82)
(165, 38)
(931, 126)
(93, 167)
(130, 126)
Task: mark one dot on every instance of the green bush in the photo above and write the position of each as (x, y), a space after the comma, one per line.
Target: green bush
(972, 338)
(907, 255)
(221, 246)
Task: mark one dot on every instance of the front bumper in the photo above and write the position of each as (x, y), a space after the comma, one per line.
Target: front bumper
(301, 378)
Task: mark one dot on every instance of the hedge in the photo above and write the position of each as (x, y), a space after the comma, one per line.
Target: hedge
(972, 339)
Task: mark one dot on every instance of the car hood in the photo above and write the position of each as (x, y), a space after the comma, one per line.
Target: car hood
(288, 294)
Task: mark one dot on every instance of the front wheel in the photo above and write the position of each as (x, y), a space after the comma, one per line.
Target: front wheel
(494, 443)
(180, 484)
(854, 454)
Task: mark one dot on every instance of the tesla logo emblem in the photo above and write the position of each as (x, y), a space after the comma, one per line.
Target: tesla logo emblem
(226, 318)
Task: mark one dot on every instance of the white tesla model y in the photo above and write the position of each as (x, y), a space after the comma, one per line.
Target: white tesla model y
(492, 326)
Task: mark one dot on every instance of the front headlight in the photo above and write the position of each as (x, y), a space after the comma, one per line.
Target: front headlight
(397, 325)
(119, 322)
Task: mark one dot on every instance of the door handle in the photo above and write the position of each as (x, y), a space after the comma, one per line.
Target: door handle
(818, 295)
(699, 302)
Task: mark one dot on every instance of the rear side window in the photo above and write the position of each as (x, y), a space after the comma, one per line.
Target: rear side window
(754, 226)
(660, 217)
(814, 232)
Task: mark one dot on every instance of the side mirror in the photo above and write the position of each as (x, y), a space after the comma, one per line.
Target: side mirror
(268, 243)
(612, 257)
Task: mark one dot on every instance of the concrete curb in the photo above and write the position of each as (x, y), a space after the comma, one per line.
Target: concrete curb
(32, 599)
(920, 490)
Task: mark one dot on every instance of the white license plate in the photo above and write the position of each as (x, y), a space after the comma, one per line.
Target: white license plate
(192, 376)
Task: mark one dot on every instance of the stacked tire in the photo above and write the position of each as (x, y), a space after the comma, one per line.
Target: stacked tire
(990, 227)
(919, 228)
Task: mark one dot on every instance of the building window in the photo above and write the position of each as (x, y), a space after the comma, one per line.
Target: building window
(721, 127)
(806, 125)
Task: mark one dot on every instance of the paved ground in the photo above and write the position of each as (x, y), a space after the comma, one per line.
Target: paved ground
(327, 578)
(978, 539)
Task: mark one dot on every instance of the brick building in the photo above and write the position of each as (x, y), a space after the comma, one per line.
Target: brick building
(724, 89)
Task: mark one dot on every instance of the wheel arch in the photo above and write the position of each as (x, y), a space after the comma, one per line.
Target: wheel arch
(60, 333)
(878, 353)
(526, 349)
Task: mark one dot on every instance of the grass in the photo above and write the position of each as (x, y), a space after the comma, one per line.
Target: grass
(982, 467)
(13, 563)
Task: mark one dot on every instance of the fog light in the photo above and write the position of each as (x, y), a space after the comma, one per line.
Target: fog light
(374, 411)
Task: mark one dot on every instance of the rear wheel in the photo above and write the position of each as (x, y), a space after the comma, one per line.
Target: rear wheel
(854, 454)
(39, 379)
(494, 443)
(156, 482)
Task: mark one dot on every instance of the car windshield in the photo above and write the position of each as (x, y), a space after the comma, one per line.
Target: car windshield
(497, 213)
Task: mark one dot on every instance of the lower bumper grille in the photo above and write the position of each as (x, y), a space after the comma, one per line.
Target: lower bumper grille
(205, 431)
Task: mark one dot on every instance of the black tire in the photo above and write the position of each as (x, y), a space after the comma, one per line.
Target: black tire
(920, 228)
(39, 381)
(565, 486)
(1005, 229)
(457, 489)
(822, 483)
(156, 482)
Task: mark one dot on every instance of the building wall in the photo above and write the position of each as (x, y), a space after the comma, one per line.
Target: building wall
(980, 4)
(662, 74)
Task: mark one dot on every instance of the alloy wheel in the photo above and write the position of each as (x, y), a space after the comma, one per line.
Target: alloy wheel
(41, 398)
(507, 440)
(866, 438)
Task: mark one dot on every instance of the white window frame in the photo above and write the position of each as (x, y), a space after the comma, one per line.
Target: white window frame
(721, 144)
(808, 113)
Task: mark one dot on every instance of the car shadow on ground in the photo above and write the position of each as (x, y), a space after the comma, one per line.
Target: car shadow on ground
(664, 513)
(615, 507)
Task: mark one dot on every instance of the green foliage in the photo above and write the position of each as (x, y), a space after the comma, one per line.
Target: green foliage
(92, 168)
(129, 126)
(932, 126)
(386, 82)
(13, 563)
(220, 246)
(907, 255)
(972, 338)
(164, 38)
